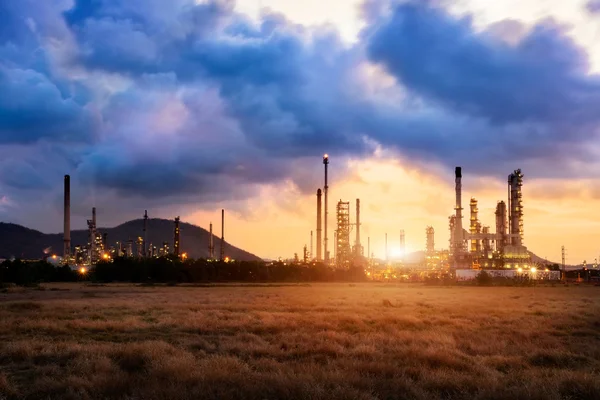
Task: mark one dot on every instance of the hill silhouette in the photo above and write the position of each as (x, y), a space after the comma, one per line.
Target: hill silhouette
(21, 242)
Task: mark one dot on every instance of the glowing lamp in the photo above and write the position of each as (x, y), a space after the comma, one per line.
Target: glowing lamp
(82, 270)
(533, 270)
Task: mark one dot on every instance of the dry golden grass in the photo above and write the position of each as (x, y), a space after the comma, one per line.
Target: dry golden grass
(364, 341)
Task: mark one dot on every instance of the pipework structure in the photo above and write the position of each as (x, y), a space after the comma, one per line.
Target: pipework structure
(176, 237)
(325, 189)
(343, 251)
(474, 226)
(358, 251)
(430, 240)
(67, 220)
(502, 248)
(515, 205)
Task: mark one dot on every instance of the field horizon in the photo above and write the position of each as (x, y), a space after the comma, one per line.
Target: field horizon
(318, 341)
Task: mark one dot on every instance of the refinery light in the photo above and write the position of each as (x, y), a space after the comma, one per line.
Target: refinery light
(82, 270)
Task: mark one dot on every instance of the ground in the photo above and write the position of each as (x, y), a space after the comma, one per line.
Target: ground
(318, 341)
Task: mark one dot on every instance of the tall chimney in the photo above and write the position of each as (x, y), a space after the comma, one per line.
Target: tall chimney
(211, 246)
(67, 221)
(358, 248)
(222, 235)
(326, 163)
(386, 249)
(145, 233)
(176, 238)
(402, 244)
(94, 217)
(319, 225)
(311, 245)
(458, 229)
(500, 226)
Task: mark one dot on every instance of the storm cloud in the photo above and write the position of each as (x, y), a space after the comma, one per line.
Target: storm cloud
(192, 102)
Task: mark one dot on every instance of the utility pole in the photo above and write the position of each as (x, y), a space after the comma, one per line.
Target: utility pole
(564, 270)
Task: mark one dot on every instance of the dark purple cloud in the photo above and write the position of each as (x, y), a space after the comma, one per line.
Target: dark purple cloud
(543, 78)
(593, 6)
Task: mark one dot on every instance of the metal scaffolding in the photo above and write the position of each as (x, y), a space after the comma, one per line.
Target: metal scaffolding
(515, 183)
(343, 248)
(430, 243)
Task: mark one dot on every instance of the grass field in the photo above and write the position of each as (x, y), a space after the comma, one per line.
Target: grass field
(337, 341)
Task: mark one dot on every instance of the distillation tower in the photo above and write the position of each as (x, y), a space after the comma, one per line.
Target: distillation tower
(486, 248)
(430, 240)
(343, 251)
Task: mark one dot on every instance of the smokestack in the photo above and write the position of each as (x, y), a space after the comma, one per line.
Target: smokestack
(94, 217)
(67, 220)
(319, 223)
(326, 163)
(176, 238)
(145, 234)
(311, 245)
(386, 249)
(358, 249)
(402, 244)
(211, 247)
(222, 235)
(500, 226)
(458, 229)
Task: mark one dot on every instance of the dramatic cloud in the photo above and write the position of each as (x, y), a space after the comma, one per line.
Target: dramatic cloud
(593, 6)
(180, 102)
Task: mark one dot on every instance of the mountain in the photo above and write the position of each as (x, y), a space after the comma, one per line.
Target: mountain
(18, 241)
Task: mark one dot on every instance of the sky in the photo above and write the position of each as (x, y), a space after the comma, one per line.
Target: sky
(186, 107)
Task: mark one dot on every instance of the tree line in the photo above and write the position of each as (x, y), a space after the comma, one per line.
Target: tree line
(172, 269)
(26, 273)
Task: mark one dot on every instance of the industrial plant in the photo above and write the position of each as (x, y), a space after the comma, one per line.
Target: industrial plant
(97, 248)
(473, 246)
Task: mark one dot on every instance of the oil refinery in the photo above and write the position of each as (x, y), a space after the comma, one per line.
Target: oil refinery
(97, 248)
(472, 246)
